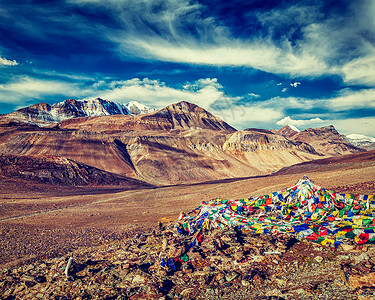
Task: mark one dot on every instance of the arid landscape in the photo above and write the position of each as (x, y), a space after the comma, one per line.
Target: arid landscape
(187, 149)
(44, 220)
(72, 186)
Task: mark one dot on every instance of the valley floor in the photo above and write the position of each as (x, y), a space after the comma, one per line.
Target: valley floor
(44, 221)
(39, 222)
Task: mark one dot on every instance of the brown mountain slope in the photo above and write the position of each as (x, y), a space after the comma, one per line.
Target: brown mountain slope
(61, 171)
(286, 131)
(185, 115)
(349, 161)
(267, 151)
(157, 156)
(325, 140)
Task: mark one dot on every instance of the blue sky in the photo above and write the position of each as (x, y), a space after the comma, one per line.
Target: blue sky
(253, 63)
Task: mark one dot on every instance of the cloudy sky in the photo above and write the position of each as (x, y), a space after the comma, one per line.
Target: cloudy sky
(254, 63)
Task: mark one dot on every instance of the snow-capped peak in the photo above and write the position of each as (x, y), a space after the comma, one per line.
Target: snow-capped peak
(44, 113)
(136, 108)
(360, 140)
(355, 136)
(294, 128)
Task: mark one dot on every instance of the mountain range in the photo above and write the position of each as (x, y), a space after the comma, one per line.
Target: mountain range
(181, 143)
(43, 113)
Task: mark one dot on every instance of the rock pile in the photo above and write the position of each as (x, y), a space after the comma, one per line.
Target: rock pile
(226, 264)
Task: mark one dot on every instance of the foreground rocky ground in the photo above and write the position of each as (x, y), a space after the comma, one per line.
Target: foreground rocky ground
(116, 258)
(228, 264)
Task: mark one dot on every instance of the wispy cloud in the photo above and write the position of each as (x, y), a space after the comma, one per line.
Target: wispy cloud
(326, 44)
(301, 39)
(243, 117)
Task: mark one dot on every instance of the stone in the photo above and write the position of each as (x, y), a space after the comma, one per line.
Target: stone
(360, 281)
(346, 247)
(187, 291)
(258, 258)
(318, 259)
(231, 276)
(138, 279)
(361, 257)
(245, 283)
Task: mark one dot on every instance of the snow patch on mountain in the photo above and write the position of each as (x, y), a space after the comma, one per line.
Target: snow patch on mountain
(294, 128)
(136, 108)
(360, 140)
(42, 113)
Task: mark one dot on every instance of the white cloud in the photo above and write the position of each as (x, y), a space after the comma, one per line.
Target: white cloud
(349, 99)
(345, 100)
(247, 116)
(24, 88)
(203, 92)
(284, 90)
(360, 70)
(252, 96)
(184, 31)
(289, 121)
(323, 46)
(7, 62)
(295, 84)
(279, 83)
(261, 55)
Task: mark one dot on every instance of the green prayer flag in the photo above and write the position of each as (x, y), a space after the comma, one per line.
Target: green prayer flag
(184, 257)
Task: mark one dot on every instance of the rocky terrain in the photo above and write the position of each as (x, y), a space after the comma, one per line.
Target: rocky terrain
(227, 264)
(117, 245)
(287, 131)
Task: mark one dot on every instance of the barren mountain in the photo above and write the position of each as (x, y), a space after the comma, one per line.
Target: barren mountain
(180, 116)
(61, 171)
(287, 131)
(360, 160)
(185, 115)
(325, 140)
(157, 156)
(181, 143)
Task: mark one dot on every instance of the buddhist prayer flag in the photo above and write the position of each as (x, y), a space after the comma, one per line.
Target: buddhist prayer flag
(303, 210)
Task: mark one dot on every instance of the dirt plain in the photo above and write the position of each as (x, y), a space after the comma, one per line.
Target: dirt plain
(39, 221)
